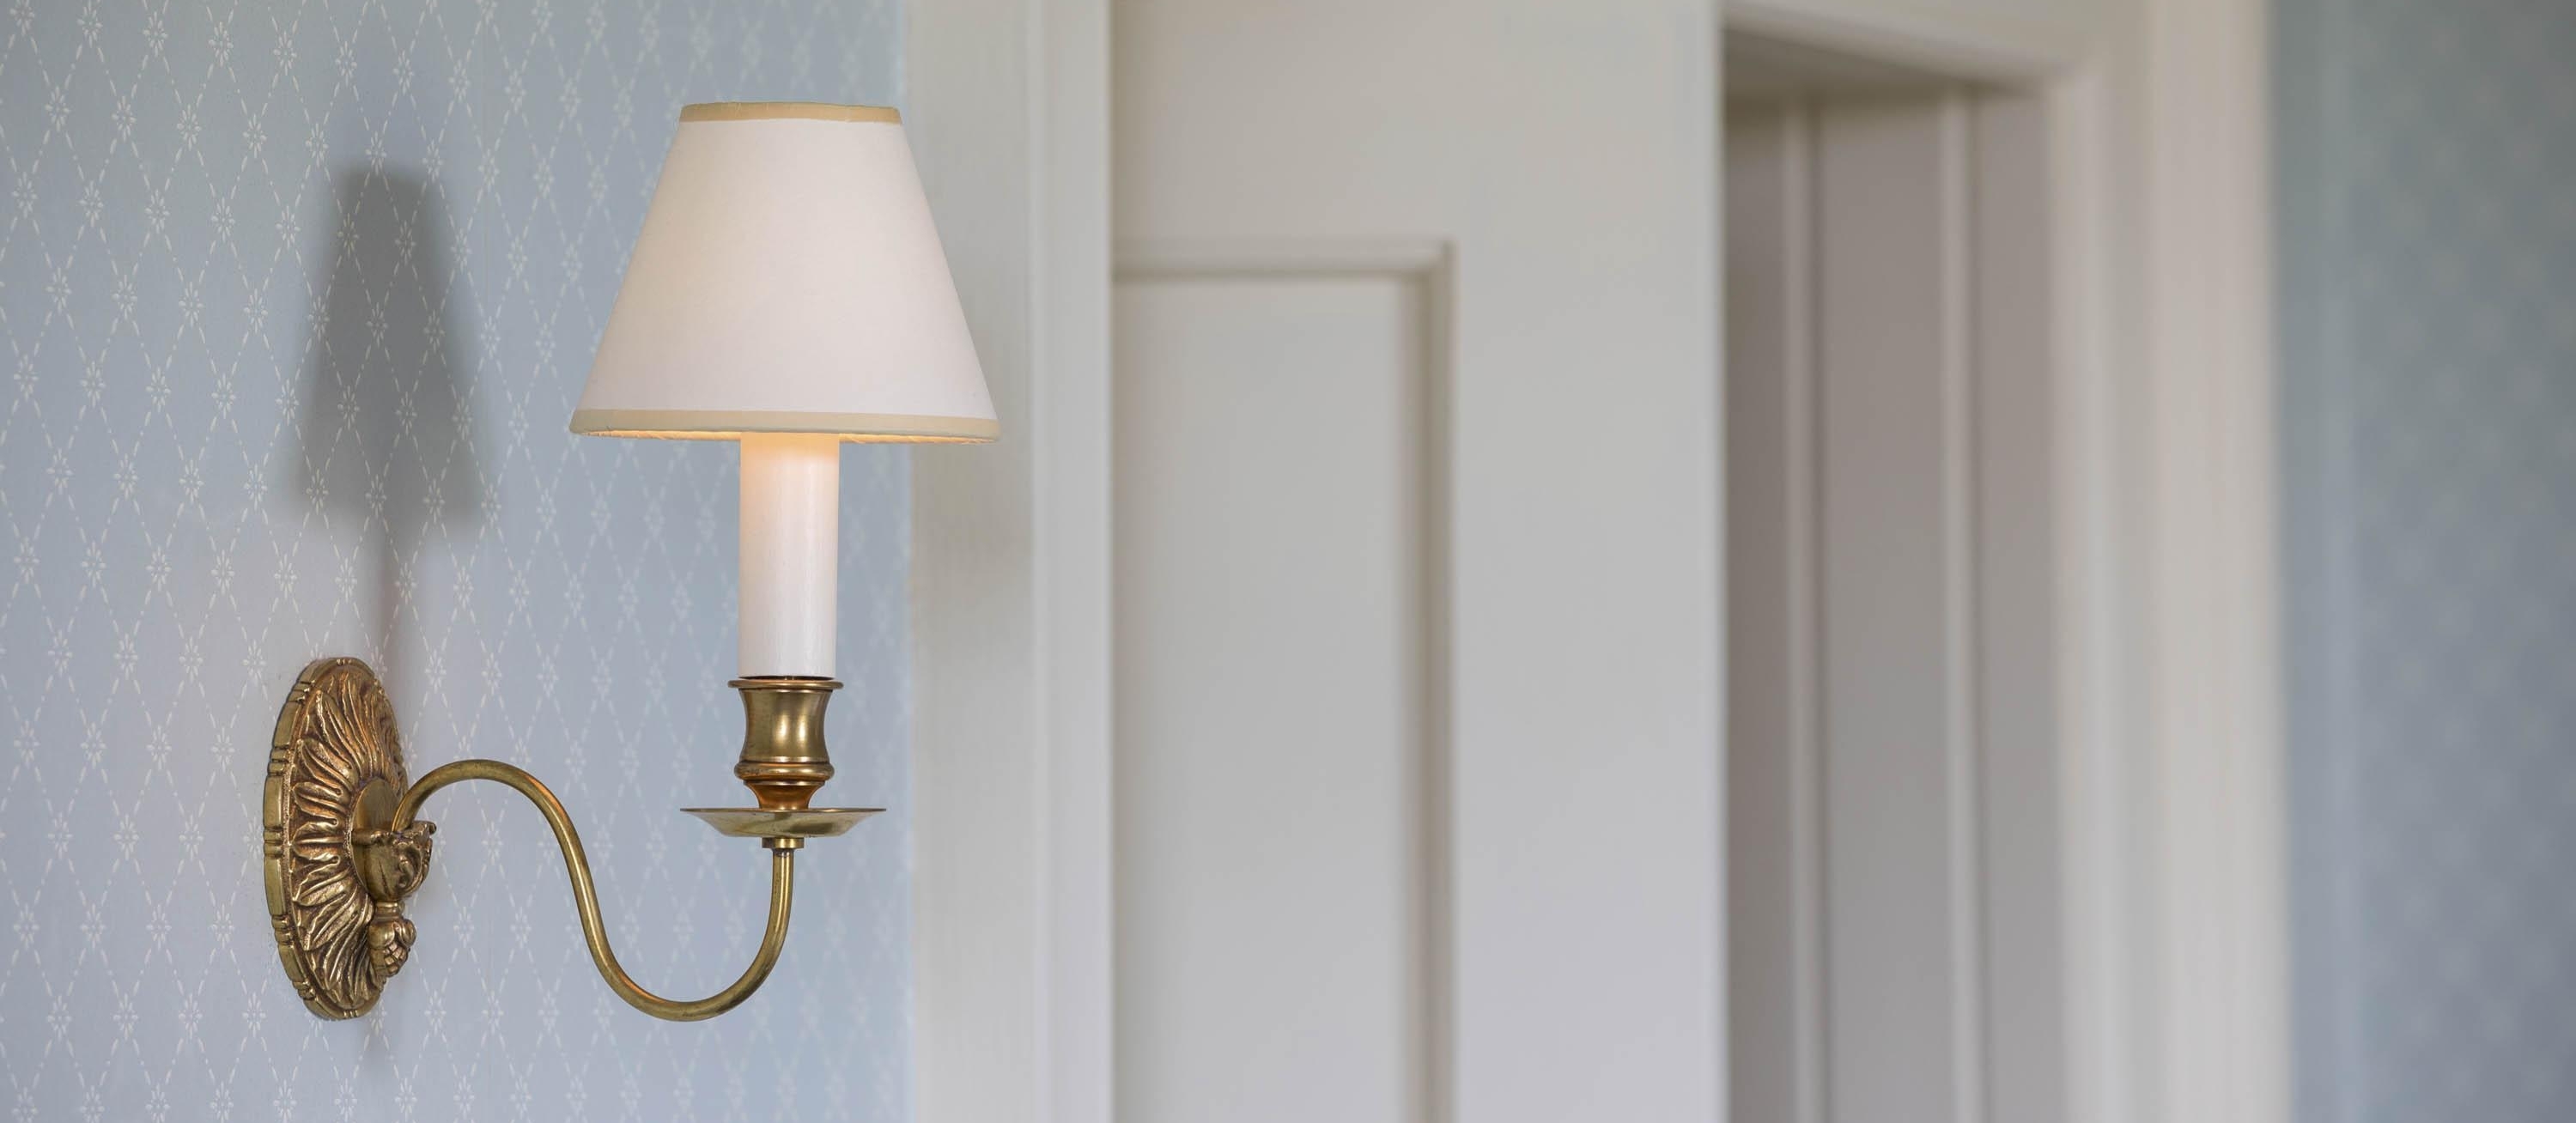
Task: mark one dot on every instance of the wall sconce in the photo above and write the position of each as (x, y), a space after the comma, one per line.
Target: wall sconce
(788, 293)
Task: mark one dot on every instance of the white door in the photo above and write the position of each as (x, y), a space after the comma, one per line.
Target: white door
(1415, 552)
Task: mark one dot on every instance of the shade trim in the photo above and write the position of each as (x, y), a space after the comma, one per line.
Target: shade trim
(784, 110)
(731, 424)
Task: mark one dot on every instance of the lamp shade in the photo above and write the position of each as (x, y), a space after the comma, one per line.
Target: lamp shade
(787, 280)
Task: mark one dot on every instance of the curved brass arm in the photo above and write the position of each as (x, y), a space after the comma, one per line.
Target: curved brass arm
(782, 878)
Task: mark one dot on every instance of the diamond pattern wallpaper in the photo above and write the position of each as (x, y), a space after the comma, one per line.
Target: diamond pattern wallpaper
(2428, 268)
(295, 300)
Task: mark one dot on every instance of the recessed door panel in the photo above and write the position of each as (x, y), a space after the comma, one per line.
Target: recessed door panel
(1273, 679)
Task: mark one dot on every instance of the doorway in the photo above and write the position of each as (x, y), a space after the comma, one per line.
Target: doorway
(1894, 906)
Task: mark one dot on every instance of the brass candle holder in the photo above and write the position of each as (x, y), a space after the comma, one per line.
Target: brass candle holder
(344, 845)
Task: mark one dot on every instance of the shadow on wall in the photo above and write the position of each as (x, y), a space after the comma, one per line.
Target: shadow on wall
(385, 436)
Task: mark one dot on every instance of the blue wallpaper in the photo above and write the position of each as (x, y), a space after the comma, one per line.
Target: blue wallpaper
(2428, 252)
(295, 300)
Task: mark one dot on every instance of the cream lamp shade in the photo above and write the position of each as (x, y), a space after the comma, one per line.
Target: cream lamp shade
(788, 292)
(787, 280)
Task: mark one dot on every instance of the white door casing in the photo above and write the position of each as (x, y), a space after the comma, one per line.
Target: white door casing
(2166, 726)
(1008, 111)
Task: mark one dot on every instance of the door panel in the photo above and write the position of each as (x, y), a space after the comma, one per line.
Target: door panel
(1273, 685)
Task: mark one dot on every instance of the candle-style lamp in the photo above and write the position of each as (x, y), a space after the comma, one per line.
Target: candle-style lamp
(788, 293)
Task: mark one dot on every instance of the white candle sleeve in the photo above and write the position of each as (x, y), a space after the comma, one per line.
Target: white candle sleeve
(791, 528)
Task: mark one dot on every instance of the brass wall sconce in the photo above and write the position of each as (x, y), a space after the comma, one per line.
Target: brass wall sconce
(788, 293)
(346, 846)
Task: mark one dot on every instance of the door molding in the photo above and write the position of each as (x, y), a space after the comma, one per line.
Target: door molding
(1009, 108)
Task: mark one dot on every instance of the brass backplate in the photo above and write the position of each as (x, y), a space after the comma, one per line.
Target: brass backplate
(335, 770)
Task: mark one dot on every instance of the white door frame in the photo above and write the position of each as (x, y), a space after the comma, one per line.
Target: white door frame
(2171, 793)
(1009, 109)
(2173, 790)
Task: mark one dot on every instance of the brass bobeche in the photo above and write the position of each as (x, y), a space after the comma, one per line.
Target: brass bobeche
(344, 844)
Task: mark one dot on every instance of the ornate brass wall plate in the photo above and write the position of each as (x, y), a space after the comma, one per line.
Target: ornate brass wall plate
(335, 771)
